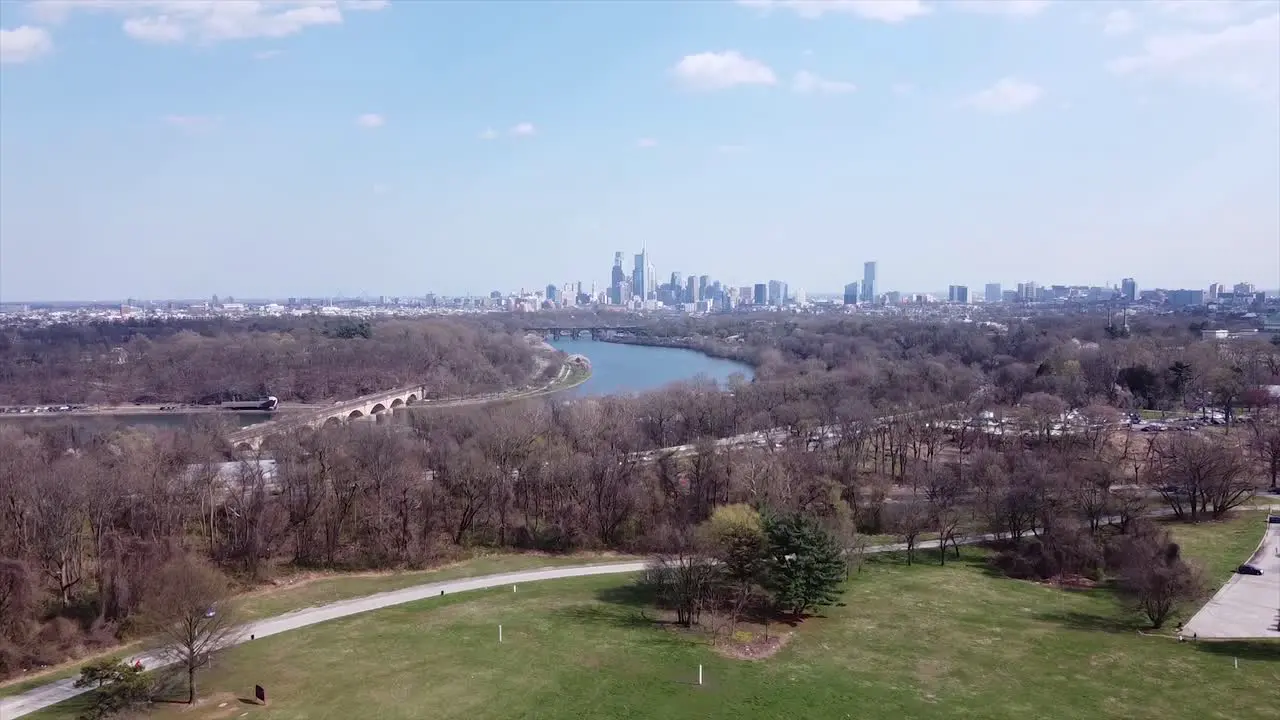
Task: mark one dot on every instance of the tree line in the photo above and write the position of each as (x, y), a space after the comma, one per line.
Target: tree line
(296, 359)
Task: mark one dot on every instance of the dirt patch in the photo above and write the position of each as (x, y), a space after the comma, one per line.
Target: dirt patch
(1070, 582)
(744, 645)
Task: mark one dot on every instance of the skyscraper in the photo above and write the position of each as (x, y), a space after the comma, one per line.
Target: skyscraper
(637, 275)
(992, 293)
(616, 280)
(704, 287)
(777, 292)
(851, 294)
(692, 294)
(761, 294)
(958, 294)
(1129, 289)
(869, 282)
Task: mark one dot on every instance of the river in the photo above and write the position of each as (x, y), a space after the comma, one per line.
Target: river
(618, 368)
(615, 369)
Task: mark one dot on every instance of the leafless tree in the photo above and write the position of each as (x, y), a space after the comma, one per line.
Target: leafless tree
(189, 612)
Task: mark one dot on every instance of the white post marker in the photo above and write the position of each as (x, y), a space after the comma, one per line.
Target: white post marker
(699, 674)
(513, 588)
(499, 633)
(1237, 663)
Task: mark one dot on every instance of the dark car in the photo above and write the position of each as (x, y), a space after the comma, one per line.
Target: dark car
(1248, 570)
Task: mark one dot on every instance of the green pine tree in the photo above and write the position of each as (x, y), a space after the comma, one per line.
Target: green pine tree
(804, 568)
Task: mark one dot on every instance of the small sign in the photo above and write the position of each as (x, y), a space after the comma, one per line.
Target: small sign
(260, 693)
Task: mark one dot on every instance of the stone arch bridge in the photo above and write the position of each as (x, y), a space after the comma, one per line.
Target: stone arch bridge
(368, 406)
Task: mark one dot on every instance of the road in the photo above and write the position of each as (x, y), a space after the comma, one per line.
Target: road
(1248, 606)
(55, 692)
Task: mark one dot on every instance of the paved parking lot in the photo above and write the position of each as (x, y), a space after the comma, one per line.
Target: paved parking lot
(1248, 605)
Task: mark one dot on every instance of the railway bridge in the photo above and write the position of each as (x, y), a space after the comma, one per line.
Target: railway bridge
(571, 331)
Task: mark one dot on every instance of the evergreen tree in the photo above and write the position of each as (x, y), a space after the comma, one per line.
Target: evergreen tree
(804, 568)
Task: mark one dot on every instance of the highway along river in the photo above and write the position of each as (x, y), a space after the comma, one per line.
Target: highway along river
(618, 368)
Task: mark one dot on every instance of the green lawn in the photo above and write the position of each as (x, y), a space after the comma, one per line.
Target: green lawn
(331, 588)
(908, 642)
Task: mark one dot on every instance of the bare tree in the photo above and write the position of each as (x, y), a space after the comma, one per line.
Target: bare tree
(1154, 575)
(1198, 476)
(189, 612)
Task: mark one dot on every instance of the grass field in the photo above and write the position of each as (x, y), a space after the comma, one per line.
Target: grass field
(908, 642)
(309, 591)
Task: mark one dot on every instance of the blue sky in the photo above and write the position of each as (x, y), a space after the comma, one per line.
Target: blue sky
(181, 148)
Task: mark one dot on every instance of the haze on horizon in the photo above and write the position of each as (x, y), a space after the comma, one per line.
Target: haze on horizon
(169, 149)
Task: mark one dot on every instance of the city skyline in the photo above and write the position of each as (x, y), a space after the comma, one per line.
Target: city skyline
(171, 149)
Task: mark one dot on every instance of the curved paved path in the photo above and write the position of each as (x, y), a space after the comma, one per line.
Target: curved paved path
(56, 692)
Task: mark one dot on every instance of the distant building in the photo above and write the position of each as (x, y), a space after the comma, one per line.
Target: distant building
(761, 294)
(1129, 289)
(692, 295)
(869, 282)
(958, 294)
(851, 294)
(893, 297)
(992, 293)
(617, 280)
(1186, 298)
(777, 292)
(551, 293)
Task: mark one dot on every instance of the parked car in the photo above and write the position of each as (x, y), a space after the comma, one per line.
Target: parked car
(1248, 570)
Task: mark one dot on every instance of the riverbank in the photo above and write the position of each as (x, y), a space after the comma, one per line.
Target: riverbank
(710, 348)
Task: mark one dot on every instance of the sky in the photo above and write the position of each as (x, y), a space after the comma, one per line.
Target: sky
(161, 149)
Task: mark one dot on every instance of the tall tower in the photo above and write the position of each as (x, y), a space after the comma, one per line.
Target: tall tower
(869, 282)
(638, 284)
(616, 280)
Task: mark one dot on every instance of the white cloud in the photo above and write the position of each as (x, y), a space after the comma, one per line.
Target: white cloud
(523, 129)
(889, 11)
(808, 83)
(23, 44)
(1119, 22)
(903, 89)
(1244, 57)
(646, 143)
(720, 70)
(209, 21)
(1007, 95)
(267, 54)
(160, 30)
(488, 134)
(1013, 8)
(371, 121)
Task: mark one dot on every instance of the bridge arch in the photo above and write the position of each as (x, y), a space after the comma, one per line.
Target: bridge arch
(333, 421)
(397, 403)
(378, 409)
(355, 414)
(413, 398)
(244, 447)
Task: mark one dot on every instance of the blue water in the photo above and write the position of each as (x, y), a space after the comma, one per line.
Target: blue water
(617, 368)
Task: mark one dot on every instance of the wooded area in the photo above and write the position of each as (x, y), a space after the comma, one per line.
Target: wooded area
(888, 432)
(295, 359)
